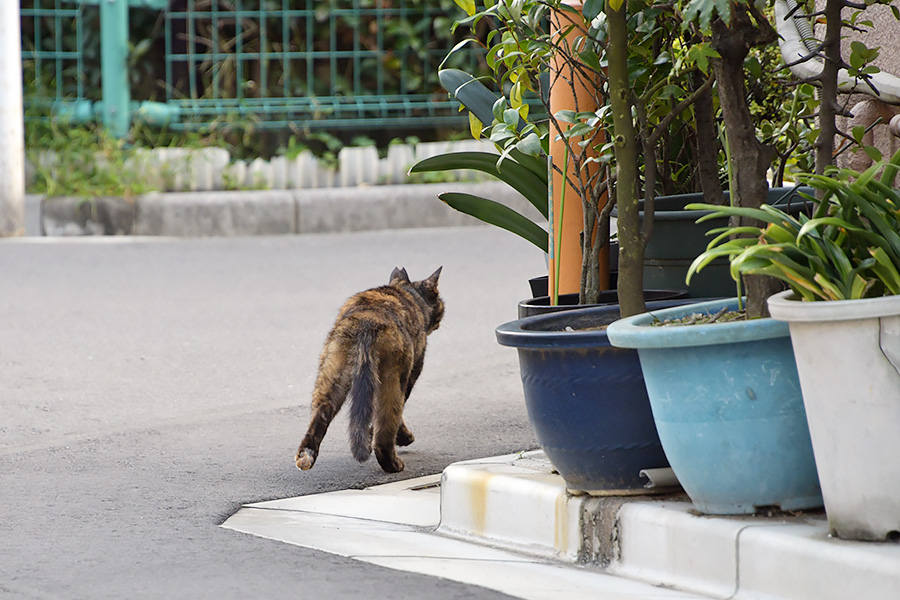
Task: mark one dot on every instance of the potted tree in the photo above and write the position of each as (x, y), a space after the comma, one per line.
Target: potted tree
(843, 311)
(713, 439)
(586, 399)
(742, 412)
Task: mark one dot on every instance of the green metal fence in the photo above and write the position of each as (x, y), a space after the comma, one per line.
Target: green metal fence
(275, 63)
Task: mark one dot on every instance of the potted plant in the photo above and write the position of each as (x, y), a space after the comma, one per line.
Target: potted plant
(727, 404)
(843, 312)
(756, 403)
(584, 47)
(586, 399)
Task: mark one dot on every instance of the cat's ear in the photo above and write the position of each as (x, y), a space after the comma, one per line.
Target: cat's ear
(433, 280)
(399, 275)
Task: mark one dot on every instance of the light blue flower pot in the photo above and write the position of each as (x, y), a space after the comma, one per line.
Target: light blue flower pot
(727, 404)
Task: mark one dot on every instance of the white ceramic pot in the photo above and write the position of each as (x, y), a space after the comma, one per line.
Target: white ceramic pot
(848, 359)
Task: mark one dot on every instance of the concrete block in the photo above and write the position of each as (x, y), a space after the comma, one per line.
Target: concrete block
(394, 207)
(400, 157)
(216, 214)
(259, 174)
(207, 167)
(235, 174)
(502, 502)
(799, 561)
(297, 170)
(358, 166)
(663, 544)
(33, 214)
(87, 216)
(279, 172)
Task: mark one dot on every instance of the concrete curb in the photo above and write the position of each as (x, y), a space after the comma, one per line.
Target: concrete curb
(517, 501)
(270, 212)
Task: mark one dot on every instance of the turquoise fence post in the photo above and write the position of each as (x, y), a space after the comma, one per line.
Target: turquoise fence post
(113, 67)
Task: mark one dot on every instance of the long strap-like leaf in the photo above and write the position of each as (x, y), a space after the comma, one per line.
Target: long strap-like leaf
(511, 172)
(497, 214)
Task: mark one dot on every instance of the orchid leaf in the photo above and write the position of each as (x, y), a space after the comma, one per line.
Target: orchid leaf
(510, 171)
(499, 215)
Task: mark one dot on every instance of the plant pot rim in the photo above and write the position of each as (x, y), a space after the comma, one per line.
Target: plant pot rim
(786, 306)
(662, 214)
(607, 297)
(547, 331)
(636, 332)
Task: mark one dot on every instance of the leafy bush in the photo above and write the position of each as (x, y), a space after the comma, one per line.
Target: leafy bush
(848, 249)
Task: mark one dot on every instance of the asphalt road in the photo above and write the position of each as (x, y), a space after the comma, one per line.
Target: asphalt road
(149, 387)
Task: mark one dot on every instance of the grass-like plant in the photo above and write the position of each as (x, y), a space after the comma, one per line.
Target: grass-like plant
(848, 249)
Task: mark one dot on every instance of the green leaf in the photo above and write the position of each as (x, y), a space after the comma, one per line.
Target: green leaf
(704, 11)
(591, 9)
(466, 5)
(873, 152)
(566, 116)
(831, 291)
(470, 92)
(514, 174)
(497, 214)
(578, 130)
(536, 164)
(859, 287)
(591, 59)
(530, 144)
(737, 211)
(475, 126)
(885, 270)
(779, 234)
(510, 117)
(498, 109)
(725, 233)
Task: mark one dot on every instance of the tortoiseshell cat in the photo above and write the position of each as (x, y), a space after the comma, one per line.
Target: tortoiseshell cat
(373, 357)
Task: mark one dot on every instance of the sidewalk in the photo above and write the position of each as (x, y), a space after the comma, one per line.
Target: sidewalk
(510, 522)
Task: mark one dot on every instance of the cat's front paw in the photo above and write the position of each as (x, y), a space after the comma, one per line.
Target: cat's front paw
(305, 459)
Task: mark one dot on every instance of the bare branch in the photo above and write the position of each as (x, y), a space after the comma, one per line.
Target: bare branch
(678, 109)
(815, 53)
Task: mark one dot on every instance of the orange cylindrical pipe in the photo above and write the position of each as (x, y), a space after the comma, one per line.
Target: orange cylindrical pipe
(582, 96)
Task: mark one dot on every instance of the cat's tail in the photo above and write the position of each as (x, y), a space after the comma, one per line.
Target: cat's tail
(362, 396)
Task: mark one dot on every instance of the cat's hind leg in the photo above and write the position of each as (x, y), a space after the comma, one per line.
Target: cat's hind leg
(332, 385)
(405, 437)
(388, 423)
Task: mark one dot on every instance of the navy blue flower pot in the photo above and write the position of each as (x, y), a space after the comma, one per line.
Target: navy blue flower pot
(586, 399)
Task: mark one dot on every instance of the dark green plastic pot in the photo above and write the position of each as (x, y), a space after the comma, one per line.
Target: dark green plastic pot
(677, 240)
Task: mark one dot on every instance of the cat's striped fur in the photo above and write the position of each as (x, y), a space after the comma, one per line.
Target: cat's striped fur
(373, 357)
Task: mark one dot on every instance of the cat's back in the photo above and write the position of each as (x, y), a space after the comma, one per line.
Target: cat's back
(386, 306)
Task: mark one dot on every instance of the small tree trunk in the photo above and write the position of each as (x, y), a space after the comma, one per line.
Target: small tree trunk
(750, 158)
(831, 48)
(631, 247)
(707, 146)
